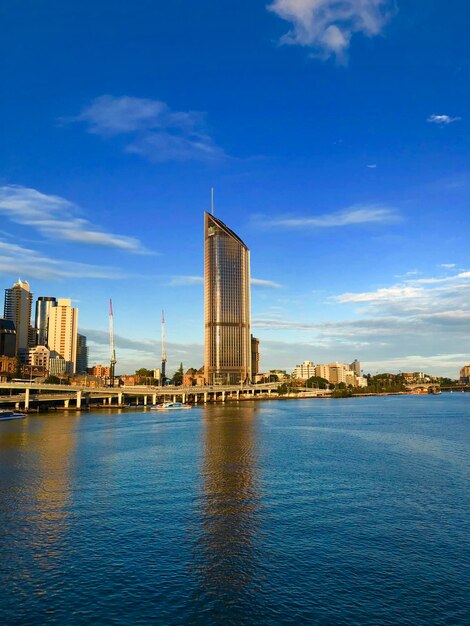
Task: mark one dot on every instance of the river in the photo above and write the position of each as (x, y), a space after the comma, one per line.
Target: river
(351, 511)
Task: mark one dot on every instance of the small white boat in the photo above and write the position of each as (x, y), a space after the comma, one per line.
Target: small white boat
(170, 406)
(10, 415)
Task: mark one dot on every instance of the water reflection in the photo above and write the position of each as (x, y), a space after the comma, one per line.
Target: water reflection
(228, 535)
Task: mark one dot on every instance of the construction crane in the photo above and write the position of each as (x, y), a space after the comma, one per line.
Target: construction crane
(163, 350)
(112, 361)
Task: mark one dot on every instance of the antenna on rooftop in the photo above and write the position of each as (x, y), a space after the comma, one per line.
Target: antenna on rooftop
(212, 200)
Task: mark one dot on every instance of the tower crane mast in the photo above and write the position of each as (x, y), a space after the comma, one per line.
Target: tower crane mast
(163, 350)
(112, 361)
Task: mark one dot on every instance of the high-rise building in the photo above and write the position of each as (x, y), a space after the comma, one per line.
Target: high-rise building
(254, 356)
(62, 331)
(43, 306)
(355, 366)
(82, 354)
(227, 340)
(7, 338)
(18, 302)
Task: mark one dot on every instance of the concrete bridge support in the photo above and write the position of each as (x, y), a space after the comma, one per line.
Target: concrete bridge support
(145, 400)
(205, 396)
(26, 399)
(79, 399)
(66, 403)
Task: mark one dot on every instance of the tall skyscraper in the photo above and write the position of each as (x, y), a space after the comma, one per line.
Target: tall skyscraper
(82, 354)
(227, 349)
(62, 331)
(43, 306)
(18, 302)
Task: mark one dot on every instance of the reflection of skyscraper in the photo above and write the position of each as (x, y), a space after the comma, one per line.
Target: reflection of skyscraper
(43, 306)
(18, 302)
(227, 539)
(227, 352)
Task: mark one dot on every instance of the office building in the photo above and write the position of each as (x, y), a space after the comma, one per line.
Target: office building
(62, 334)
(465, 374)
(322, 371)
(82, 354)
(43, 306)
(7, 338)
(227, 339)
(355, 366)
(254, 356)
(18, 303)
(39, 356)
(304, 371)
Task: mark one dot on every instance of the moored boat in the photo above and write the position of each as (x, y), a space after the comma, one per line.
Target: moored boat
(10, 415)
(170, 406)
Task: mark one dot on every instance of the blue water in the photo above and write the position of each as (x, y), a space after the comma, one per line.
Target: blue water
(350, 511)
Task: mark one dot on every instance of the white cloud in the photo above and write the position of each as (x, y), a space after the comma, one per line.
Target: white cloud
(261, 282)
(57, 218)
(380, 295)
(442, 120)
(358, 214)
(178, 281)
(153, 130)
(372, 166)
(327, 26)
(16, 259)
(448, 266)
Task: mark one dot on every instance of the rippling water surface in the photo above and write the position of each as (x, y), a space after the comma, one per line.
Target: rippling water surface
(316, 511)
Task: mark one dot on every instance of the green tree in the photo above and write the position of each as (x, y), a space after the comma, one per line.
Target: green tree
(145, 373)
(178, 375)
(318, 382)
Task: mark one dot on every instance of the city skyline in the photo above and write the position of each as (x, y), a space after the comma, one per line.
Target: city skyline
(336, 145)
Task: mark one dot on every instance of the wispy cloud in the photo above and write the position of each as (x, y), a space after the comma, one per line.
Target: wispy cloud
(58, 219)
(180, 281)
(135, 353)
(151, 128)
(358, 214)
(442, 120)
(327, 26)
(427, 317)
(372, 166)
(448, 266)
(261, 282)
(16, 259)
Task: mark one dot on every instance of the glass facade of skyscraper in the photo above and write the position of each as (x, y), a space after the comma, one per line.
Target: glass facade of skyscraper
(227, 354)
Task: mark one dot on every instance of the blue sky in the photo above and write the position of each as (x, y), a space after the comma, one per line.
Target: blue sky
(336, 136)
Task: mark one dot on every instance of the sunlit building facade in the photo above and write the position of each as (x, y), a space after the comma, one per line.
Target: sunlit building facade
(227, 346)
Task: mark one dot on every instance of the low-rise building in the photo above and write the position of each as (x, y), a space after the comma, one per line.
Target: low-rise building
(8, 365)
(39, 357)
(101, 371)
(322, 371)
(304, 371)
